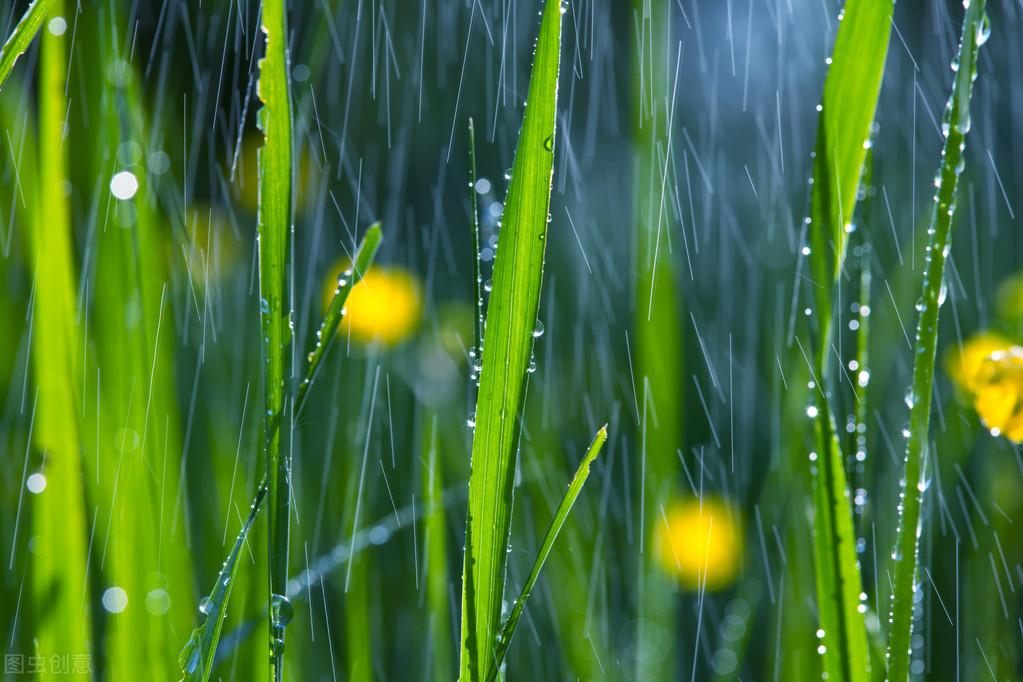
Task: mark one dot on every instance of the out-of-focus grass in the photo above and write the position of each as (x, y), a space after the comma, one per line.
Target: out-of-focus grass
(61, 521)
(140, 542)
(659, 341)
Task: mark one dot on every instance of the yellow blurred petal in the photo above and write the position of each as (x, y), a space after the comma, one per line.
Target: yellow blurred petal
(385, 306)
(699, 542)
(998, 392)
(963, 364)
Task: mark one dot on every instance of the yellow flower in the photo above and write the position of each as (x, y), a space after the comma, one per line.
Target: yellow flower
(998, 393)
(700, 542)
(384, 306)
(963, 364)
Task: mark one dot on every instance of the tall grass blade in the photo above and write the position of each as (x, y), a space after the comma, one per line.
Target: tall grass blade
(557, 522)
(507, 344)
(59, 565)
(847, 111)
(196, 659)
(955, 126)
(275, 194)
(22, 36)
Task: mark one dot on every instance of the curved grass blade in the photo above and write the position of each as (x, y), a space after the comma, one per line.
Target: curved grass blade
(196, 659)
(847, 112)
(557, 522)
(22, 35)
(275, 169)
(955, 125)
(511, 321)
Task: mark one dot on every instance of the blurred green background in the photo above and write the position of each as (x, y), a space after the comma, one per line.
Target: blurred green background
(382, 92)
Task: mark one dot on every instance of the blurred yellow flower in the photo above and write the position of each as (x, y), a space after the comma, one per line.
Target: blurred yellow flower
(384, 306)
(964, 364)
(998, 392)
(700, 542)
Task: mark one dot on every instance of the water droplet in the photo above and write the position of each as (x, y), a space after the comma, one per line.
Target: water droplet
(538, 330)
(548, 144)
(281, 610)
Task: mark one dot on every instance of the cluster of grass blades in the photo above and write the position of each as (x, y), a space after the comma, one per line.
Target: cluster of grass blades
(197, 657)
(846, 114)
(955, 125)
(275, 194)
(507, 345)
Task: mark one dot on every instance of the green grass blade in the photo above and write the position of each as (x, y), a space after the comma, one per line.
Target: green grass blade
(275, 168)
(363, 259)
(955, 125)
(507, 344)
(196, 658)
(22, 36)
(59, 565)
(847, 111)
(557, 522)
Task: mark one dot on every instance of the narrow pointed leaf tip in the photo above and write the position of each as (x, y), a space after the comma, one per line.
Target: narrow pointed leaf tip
(196, 658)
(557, 523)
(22, 35)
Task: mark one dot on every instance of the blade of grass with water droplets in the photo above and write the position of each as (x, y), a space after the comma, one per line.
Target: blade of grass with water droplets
(22, 35)
(557, 522)
(362, 261)
(847, 109)
(275, 169)
(507, 345)
(955, 125)
(196, 658)
(332, 319)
